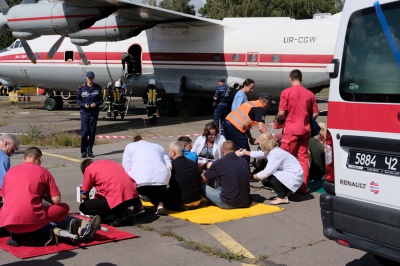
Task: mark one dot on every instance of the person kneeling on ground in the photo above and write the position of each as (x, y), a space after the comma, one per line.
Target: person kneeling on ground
(24, 213)
(233, 173)
(116, 192)
(283, 171)
(184, 191)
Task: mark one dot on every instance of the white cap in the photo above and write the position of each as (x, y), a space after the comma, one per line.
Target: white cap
(152, 82)
(117, 84)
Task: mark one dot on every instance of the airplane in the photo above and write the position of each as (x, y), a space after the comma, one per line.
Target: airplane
(185, 54)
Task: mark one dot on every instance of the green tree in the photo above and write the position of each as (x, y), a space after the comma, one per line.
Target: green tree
(7, 39)
(298, 9)
(178, 5)
(150, 2)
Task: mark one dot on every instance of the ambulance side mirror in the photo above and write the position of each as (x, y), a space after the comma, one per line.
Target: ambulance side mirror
(333, 68)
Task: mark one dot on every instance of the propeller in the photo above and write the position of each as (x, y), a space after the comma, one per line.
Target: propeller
(28, 50)
(55, 47)
(82, 55)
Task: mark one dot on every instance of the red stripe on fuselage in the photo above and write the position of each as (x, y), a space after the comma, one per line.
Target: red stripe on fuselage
(167, 58)
(372, 117)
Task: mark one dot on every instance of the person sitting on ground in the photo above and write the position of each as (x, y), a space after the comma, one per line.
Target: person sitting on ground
(233, 173)
(184, 191)
(316, 154)
(187, 144)
(208, 146)
(283, 171)
(25, 188)
(9, 143)
(116, 191)
(149, 165)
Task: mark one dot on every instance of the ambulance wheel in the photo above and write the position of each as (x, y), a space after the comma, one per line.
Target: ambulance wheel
(50, 104)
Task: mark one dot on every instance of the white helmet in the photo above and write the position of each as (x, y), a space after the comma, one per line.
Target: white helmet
(118, 83)
(152, 82)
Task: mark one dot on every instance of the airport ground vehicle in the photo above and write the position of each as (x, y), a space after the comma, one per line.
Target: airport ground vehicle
(360, 208)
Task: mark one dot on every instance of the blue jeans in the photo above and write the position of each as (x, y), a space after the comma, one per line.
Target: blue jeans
(213, 195)
(239, 139)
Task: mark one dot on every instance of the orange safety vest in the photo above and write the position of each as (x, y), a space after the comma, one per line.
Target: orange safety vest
(240, 116)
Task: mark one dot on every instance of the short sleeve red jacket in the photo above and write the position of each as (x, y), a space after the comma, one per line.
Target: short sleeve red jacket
(23, 191)
(299, 103)
(111, 181)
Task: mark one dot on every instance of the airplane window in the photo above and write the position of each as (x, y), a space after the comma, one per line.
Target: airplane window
(17, 44)
(38, 55)
(235, 57)
(252, 58)
(217, 57)
(276, 58)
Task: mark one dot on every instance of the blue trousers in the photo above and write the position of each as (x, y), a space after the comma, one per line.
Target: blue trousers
(213, 195)
(88, 131)
(239, 139)
(220, 112)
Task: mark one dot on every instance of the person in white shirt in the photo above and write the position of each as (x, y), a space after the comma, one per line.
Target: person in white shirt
(283, 171)
(150, 166)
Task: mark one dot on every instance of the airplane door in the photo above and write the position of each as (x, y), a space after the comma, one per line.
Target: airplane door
(136, 51)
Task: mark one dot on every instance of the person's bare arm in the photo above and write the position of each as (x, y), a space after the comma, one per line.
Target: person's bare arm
(56, 199)
(261, 127)
(203, 179)
(84, 196)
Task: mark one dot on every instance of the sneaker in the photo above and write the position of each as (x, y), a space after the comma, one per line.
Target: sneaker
(136, 212)
(12, 242)
(119, 218)
(90, 229)
(84, 155)
(160, 210)
(73, 226)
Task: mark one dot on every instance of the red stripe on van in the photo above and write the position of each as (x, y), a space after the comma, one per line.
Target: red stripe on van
(373, 117)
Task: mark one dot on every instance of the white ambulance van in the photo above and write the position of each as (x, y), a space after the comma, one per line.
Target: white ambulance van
(361, 206)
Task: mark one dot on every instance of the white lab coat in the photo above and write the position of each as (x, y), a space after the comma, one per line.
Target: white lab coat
(147, 163)
(201, 141)
(284, 166)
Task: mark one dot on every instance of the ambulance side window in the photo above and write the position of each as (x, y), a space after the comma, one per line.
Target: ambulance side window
(370, 72)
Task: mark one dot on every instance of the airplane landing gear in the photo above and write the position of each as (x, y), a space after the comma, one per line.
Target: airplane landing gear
(53, 103)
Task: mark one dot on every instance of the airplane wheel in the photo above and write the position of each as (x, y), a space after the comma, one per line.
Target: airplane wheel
(50, 104)
(188, 107)
(166, 107)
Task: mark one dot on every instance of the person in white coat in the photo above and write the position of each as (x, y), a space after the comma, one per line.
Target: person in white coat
(209, 144)
(150, 166)
(283, 171)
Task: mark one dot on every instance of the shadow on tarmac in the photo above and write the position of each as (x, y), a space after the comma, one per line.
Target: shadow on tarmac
(54, 260)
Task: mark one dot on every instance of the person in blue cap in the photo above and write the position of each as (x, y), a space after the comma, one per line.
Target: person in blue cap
(221, 102)
(89, 97)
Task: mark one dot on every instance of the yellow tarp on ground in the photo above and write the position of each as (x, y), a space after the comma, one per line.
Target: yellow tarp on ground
(207, 213)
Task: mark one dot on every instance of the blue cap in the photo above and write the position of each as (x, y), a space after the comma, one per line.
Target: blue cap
(265, 96)
(90, 74)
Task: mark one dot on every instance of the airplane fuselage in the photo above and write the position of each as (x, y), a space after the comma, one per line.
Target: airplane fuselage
(264, 49)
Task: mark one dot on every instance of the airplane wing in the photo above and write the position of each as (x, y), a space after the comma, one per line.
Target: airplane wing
(133, 11)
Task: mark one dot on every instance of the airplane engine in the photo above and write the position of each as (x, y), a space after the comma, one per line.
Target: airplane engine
(113, 28)
(45, 18)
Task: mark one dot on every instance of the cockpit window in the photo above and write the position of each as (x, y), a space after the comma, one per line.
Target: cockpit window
(16, 44)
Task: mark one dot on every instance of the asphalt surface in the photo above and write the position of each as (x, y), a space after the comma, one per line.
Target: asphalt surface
(290, 237)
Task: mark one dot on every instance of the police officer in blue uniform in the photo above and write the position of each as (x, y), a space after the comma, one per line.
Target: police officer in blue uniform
(221, 102)
(89, 98)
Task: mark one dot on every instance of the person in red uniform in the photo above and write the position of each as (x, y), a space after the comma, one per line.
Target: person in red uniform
(296, 105)
(115, 191)
(24, 189)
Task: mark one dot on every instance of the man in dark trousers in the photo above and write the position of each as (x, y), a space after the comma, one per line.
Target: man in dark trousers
(129, 60)
(89, 98)
(221, 102)
(184, 191)
(150, 99)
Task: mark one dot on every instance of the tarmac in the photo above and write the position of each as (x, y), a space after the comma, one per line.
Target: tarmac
(289, 237)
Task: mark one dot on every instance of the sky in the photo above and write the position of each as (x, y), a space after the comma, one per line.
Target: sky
(197, 4)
